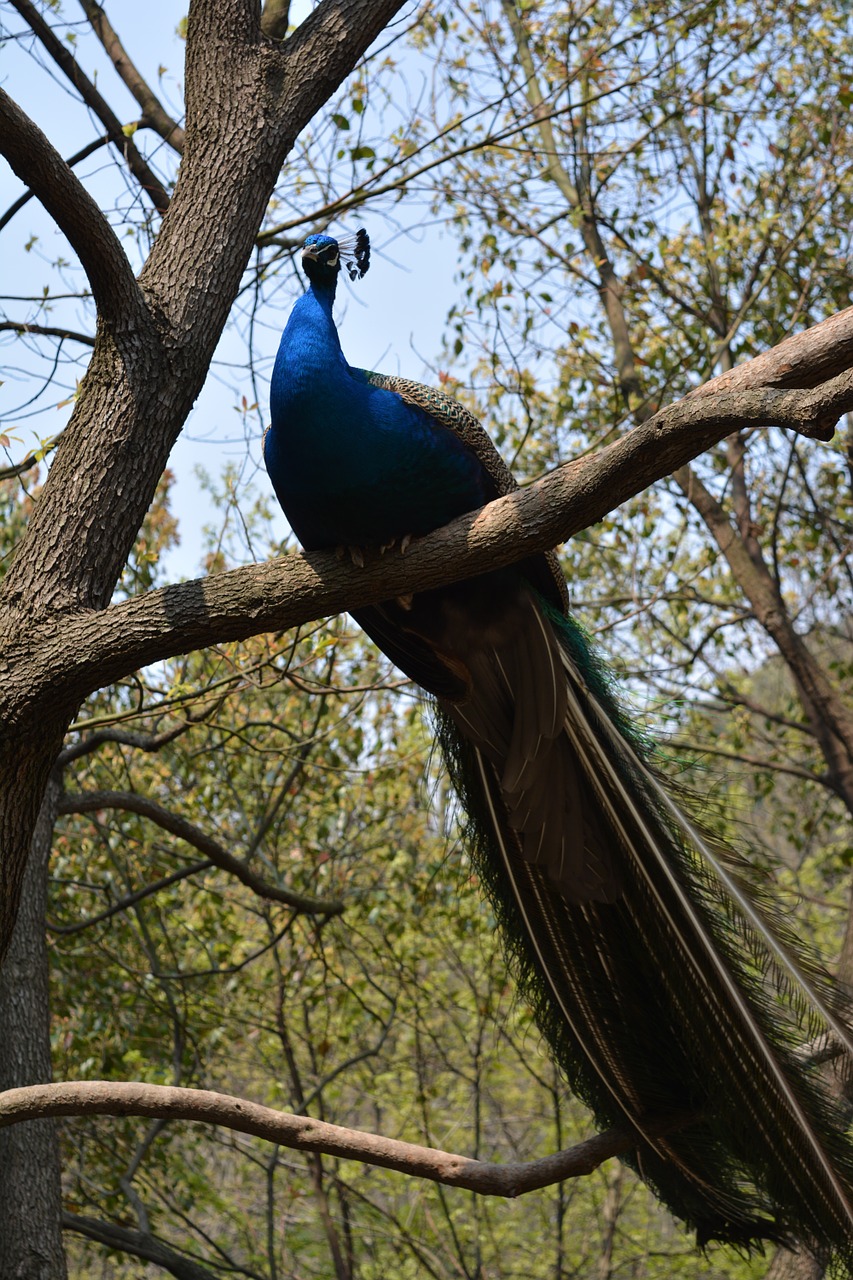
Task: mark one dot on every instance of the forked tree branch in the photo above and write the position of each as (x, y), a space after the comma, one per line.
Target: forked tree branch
(304, 1133)
(111, 643)
(62, 56)
(153, 112)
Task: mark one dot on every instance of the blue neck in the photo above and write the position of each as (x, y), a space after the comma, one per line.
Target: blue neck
(310, 348)
(324, 291)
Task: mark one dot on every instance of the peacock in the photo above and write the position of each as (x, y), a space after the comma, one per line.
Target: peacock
(677, 1005)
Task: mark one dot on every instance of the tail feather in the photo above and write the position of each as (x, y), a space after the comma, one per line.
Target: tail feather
(817, 994)
(659, 982)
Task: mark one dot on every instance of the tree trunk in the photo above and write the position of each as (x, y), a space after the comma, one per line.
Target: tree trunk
(30, 1188)
(794, 1266)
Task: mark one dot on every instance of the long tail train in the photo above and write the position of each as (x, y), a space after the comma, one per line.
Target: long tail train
(661, 986)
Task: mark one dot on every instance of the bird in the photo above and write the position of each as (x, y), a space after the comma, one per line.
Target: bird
(675, 999)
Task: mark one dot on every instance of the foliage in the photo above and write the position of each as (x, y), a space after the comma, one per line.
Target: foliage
(306, 756)
(640, 198)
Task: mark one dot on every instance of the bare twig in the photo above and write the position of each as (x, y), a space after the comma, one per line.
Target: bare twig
(62, 56)
(46, 331)
(41, 167)
(82, 154)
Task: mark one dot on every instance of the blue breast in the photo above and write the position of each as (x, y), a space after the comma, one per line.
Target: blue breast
(353, 464)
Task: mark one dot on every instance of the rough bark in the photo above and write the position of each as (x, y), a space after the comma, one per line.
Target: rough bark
(247, 98)
(75, 653)
(30, 1190)
(787, 1265)
(62, 642)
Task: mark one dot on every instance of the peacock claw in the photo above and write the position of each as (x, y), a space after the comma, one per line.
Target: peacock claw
(355, 554)
(404, 543)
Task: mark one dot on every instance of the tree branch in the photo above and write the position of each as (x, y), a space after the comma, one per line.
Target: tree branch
(153, 113)
(32, 460)
(138, 1244)
(295, 589)
(803, 360)
(62, 56)
(124, 738)
(314, 51)
(130, 899)
(304, 1133)
(130, 802)
(46, 331)
(41, 167)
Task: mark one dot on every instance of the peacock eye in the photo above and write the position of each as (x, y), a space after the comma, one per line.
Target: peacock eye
(333, 260)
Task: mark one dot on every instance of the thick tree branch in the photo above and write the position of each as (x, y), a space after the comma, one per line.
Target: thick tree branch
(296, 589)
(130, 802)
(303, 1133)
(41, 167)
(805, 359)
(62, 56)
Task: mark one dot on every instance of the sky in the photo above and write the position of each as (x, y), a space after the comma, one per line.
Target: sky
(392, 320)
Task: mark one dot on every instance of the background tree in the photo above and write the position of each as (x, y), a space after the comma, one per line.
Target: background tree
(223, 774)
(675, 198)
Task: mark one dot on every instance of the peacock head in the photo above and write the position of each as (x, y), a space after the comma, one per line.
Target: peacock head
(322, 257)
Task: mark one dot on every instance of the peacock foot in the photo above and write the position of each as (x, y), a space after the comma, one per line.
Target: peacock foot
(404, 544)
(356, 555)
